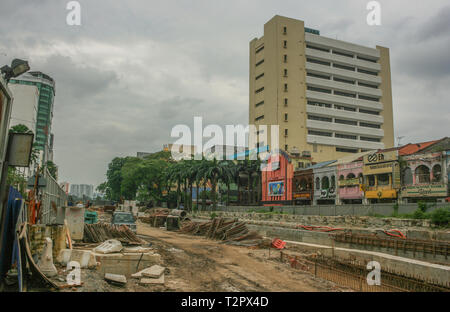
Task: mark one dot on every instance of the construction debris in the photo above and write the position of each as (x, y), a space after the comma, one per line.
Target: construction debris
(154, 271)
(137, 249)
(24, 246)
(152, 281)
(109, 246)
(100, 232)
(116, 279)
(172, 223)
(232, 232)
(85, 258)
(46, 262)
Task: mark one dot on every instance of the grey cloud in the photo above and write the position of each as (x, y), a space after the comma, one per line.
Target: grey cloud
(437, 26)
(78, 81)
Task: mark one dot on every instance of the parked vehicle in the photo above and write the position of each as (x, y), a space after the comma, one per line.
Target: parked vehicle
(124, 218)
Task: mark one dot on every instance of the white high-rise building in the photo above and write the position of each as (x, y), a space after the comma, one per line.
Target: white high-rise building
(80, 190)
(24, 111)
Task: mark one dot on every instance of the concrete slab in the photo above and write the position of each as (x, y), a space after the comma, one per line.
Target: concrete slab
(116, 278)
(100, 257)
(152, 281)
(109, 246)
(138, 249)
(85, 258)
(154, 271)
(127, 265)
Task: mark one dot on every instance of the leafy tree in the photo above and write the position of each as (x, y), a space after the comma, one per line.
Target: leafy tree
(114, 177)
(104, 189)
(52, 169)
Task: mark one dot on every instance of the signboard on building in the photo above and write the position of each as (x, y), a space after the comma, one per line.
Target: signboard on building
(378, 168)
(302, 196)
(349, 182)
(382, 157)
(327, 193)
(276, 188)
(431, 190)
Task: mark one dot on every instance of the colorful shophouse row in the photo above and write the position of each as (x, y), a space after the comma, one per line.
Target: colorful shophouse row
(404, 174)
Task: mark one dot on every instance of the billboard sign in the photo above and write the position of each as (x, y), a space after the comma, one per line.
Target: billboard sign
(276, 188)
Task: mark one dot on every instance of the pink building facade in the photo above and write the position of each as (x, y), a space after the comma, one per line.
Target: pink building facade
(350, 177)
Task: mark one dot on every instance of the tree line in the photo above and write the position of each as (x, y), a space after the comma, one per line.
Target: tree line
(158, 178)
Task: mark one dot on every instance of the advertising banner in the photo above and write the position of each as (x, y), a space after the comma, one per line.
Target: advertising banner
(376, 158)
(349, 182)
(276, 188)
(302, 195)
(431, 190)
(378, 168)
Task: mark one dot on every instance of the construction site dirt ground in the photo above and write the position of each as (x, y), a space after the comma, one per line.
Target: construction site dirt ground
(198, 264)
(194, 263)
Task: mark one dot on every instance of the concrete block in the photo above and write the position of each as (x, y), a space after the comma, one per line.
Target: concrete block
(101, 257)
(152, 281)
(109, 246)
(116, 278)
(154, 271)
(149, 256)
(85, 258)
(138, 249)
(46, 263)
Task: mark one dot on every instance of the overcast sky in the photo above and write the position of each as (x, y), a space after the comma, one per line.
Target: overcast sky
(134, 69)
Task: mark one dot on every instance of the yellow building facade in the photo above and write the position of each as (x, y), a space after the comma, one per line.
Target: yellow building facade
(328, 97)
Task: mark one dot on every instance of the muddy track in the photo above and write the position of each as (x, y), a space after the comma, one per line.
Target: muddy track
(198, 264)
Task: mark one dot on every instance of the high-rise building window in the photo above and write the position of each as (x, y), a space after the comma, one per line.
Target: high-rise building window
(369, 125)
(285, 117)
(346, 122)
(285, 43)
(363, 138)
(285, 58)
(285, 30)
(368, 98)
(285, 102)
(260, 62)
(285, 132)
(285, 72)
(367, 72)
(346, 150)
(286, 147)
(285, 87)
(259, 49)
(259, 118)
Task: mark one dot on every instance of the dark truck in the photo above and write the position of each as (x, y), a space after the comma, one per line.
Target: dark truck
(124, 218)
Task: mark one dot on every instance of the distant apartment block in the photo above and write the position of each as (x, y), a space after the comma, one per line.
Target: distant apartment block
(329, 97)
(80, 190)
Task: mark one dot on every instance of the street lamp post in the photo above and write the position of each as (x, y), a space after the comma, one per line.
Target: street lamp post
(17, 68)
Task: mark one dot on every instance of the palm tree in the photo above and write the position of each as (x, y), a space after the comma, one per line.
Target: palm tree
(228, 175)
(175, 175)
(217, 171)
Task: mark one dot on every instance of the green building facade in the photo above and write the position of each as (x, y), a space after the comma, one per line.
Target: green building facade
(46, 87)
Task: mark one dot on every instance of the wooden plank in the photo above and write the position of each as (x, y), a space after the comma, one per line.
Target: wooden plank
(34, 268)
